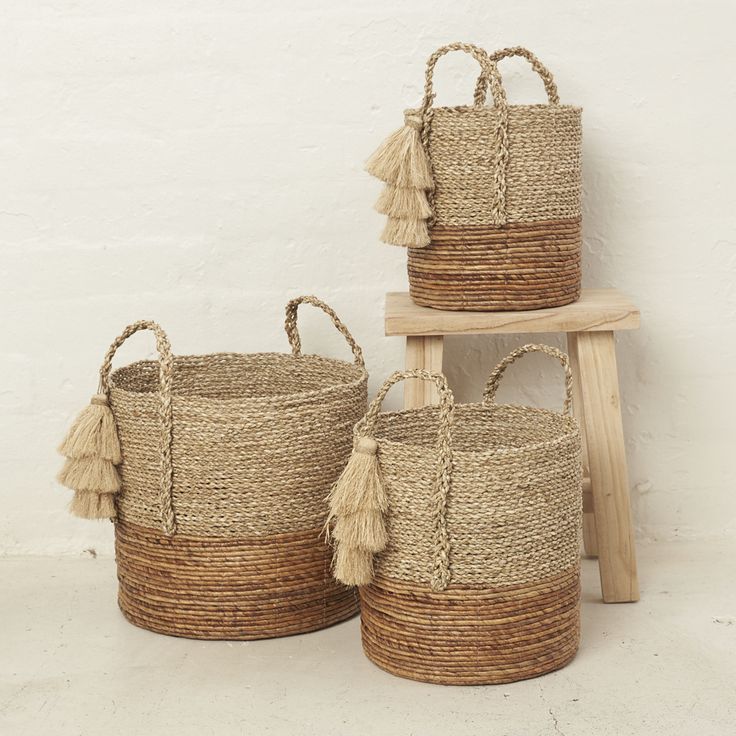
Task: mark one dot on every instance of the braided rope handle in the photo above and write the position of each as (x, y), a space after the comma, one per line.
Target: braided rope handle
(489, 74)
(292, 330)
(549, 83)
(494, 380)
(166, 367)
(440, 573)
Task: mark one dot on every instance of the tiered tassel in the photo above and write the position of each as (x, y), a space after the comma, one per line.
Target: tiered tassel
(404, 202)
(403, 164)
(409, 233)
(92, 451)
(401, 158)
(357, 505)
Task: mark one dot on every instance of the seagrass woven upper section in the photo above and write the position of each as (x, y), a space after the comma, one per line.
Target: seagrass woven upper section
(514, 506)
(246, 378)
(542, 170)
(257, 440)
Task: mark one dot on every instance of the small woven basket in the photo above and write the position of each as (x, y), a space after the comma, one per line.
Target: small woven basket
(492, 217)
(478, 581)
(227, 460)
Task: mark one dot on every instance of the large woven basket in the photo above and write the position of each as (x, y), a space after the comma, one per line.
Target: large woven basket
(478, 582)
(501, 225)
(227, 460)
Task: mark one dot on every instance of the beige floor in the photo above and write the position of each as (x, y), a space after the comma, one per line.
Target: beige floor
(70, 664)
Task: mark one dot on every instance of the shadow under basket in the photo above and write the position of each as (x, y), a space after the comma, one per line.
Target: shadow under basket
(225, 588)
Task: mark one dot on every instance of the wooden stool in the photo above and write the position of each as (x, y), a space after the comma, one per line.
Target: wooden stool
(589, 324)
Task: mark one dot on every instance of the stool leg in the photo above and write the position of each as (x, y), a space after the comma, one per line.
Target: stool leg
(596, 359)
(422, 352)
(590, 538)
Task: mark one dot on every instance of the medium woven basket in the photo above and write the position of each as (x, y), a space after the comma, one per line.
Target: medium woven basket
(478, 582)
(227, 460)
(501, 228)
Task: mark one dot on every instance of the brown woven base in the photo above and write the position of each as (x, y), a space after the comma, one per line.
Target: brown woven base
(513, 267)
(225, 588)
(471, 636)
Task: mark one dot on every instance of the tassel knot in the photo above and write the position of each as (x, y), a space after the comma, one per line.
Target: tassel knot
(367, 446)
(92, 451)
(357, 505)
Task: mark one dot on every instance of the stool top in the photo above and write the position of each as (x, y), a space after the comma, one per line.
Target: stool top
(596, 310)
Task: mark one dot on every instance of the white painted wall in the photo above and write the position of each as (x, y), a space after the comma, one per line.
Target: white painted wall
(200, 162)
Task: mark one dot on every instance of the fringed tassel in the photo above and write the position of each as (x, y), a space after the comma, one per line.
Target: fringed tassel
(357, 505)
(93, 433)
(404, 202)
(402, 162)
(353, 566)
(92, 451)
(90, 474)
(408, 233)
(91, 505)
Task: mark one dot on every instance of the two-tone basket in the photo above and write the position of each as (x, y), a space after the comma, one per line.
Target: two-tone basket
(486, 198)
(216, 469)
(462, 524)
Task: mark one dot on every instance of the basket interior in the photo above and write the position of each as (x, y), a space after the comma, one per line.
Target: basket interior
(477, 428)
(237, 376)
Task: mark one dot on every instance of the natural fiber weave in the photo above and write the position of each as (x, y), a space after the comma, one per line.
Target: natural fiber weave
(484, 519)
(471, 636)
(541, 180)
(228, 588)
(227, 460)
(513, 267)
(503, 178)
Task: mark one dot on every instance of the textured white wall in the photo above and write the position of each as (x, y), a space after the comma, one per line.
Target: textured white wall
(200, 162)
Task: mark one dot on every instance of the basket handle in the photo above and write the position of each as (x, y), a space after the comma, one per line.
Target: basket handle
(165, 371)
(549, 83)
(441, 575)
(489, 394)
(292, 331)
(489, 73)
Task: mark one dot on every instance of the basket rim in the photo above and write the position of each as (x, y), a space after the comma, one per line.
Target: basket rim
(361, 376)
(473, 108)
(477, 406)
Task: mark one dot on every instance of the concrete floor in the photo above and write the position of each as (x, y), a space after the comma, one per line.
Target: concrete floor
(70, 664)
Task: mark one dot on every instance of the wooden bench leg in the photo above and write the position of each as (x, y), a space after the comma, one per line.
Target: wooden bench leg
(595, 357)
(422, 352)
(590, 538)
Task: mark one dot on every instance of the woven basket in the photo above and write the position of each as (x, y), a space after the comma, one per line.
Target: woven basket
(478, 582)
(501, 228)
(227, 460)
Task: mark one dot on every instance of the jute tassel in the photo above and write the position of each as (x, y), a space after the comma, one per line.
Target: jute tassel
(402, 162)
(357, 504)
(404, 202)
(409, 233)
(92, 451)
(401, 158)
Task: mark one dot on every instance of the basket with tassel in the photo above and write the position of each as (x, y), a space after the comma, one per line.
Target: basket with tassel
(486, 198)
(215, 470)
(461, 524)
